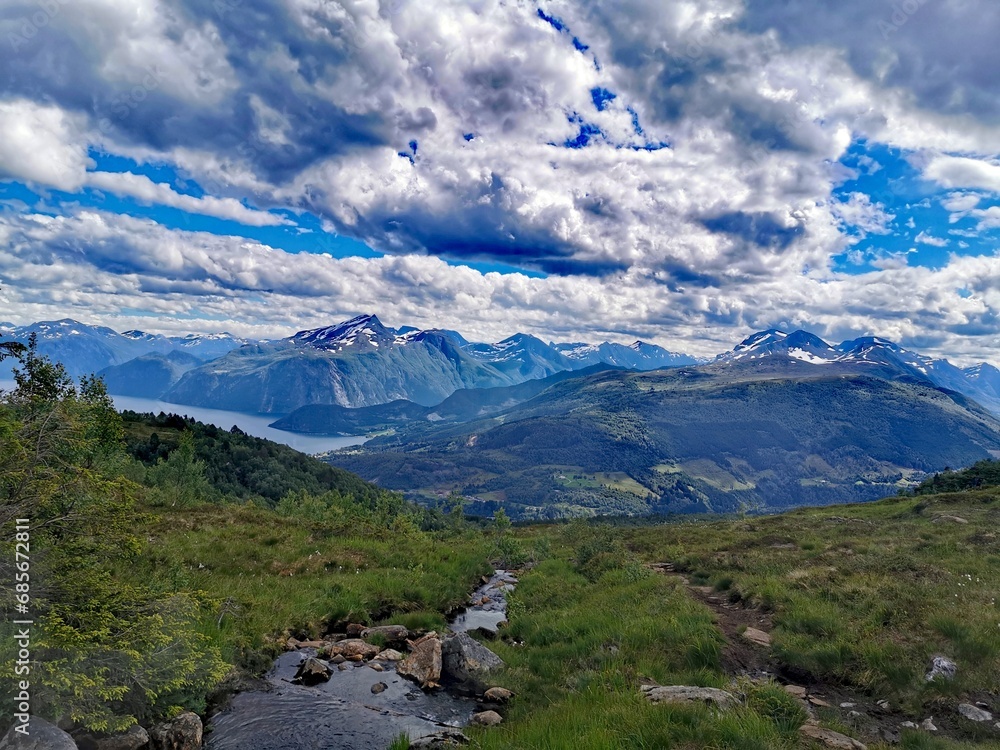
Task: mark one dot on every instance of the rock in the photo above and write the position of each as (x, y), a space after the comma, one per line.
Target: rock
(796, 690)
(338, 659)
(758, 637)
(390, 654)
(884, 705)
(498, 695)
(41, 736)
(443, 739)
(311, 672)
(848, 705)
(909, 725)
(687, 694)
(951, 519)
(941, 667)
(135, 738)
(311, 644)
(353, 647)
(487, 718)
(928, 725)
(342, 667)
(379, 687)
(291, 644)
(389, 633)
(355, 629)
(183, 732)
(890, 735)
(854, 714)
(818, 702)
(376, 666)
(467, 661)
(829, 738)
(973, 713)
(424, 662)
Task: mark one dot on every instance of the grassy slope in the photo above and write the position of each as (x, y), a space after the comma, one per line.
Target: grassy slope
(266, 575)
(861, 597)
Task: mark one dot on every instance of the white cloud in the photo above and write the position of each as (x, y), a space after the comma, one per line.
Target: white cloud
(145, 190)
(963, 172)
(928, 239)
(42, 145)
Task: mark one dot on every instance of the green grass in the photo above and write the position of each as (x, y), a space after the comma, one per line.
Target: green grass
(269, 576)
(866, 594)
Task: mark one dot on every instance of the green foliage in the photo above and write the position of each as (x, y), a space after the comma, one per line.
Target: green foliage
(980, 475)
(104, 654)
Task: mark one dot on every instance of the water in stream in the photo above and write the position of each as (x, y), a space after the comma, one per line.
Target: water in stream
(343, 713)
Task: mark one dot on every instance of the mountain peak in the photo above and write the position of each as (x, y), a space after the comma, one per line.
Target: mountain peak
(363, 330)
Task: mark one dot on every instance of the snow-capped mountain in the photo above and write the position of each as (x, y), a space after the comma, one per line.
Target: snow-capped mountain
(208, 346)
(871, 354)
(800, 345)
(636, 356)
(522, 356)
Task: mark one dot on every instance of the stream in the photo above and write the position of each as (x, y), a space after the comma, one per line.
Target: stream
(344, 713)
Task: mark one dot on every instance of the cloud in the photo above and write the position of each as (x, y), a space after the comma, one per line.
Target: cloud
(42, 145)
(927, 239)
(963, 172)
(95, 266)
(145, 190)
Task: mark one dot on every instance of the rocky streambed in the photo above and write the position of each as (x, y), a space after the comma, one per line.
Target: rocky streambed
(346, 692)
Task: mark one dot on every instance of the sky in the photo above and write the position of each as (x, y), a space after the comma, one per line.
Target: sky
(685, 172)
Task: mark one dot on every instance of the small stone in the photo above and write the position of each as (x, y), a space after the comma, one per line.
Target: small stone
(390, 654)
(487, 718)
(829, 738)
(909, 725)
(818, 702)
(854, 714)
(796, 690)
(388, 633)
(134, 739)
(355, 658)
(756, 636)
(928, 725)
(342, 667)
(951, 519)
(183, 732)
(378, 687)
(974, 713)
(353, 647)
(376, 666)
(338, 659)
(848, 705)
(941, 667)
(687, 694)
(355, 629)
(443, 739)
(291, 644)
(312, 672)
(498, 694)
(884, 705)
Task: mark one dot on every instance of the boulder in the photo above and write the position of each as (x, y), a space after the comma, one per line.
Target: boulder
(388, 633)
(379, 687)
(688, 694)
(487, 718)
(183, 732)
(974, 713)
(390, 654)
(424, 663)
(498, 695)
(41, 736)
(443, 739)
(312, 672)
(756, 636)
(829, 738)
(135, 738)
(467, 661)
(941, 667)
(353, 648)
